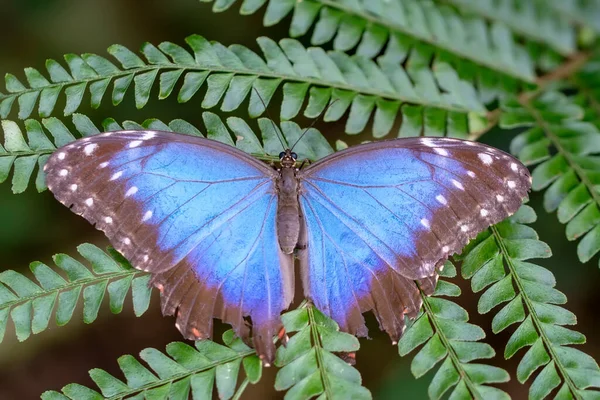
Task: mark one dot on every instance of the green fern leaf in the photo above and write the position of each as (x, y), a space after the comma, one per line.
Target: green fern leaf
(497, 263)
(531, 19)
(355, 84)
(584, 13)
(571, 176)
(448, 338)
(309, 367)
(182, 372)
(400, 26)
(30, 303)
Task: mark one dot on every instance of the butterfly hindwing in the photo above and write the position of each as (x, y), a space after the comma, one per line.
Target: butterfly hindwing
(197, 214)
(381, 215)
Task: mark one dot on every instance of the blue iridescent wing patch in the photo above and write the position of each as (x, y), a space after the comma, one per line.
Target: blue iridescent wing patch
(381, 215)
(199, 215)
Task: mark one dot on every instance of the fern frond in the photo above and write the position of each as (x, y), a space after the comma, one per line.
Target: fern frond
(497, 260)
(308, 366)
(403, 25)
(434, 99)
(533, 20)
(447, 336)
(24, 154)
(585, 13)
(182, 371)
(572, 175)
(30, 303)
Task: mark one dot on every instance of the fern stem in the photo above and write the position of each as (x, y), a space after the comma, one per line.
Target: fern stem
(391, 26)
(318, 346)
(71, 285)
(451, 353)
(556, 143)
(534, 317)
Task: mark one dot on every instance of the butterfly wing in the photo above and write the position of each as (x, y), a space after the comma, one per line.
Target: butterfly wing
(380, 215)
(197, 214)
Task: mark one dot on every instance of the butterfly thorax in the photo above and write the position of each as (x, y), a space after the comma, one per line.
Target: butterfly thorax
(288, 212)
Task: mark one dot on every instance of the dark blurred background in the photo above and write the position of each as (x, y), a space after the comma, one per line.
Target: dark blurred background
(34, 226)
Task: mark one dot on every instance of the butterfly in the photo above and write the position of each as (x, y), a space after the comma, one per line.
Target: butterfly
(219, 230)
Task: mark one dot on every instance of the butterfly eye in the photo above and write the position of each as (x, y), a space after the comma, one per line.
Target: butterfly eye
(294, 156)
(282, 154)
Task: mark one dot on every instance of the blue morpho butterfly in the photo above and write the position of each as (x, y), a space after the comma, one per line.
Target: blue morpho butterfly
(218, 229)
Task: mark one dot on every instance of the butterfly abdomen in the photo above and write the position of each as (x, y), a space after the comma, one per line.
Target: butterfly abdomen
(288, 211)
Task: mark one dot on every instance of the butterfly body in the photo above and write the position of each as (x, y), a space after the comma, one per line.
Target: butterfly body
(217, 228)
(288, 207)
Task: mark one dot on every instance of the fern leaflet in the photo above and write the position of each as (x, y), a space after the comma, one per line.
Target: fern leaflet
(497, 258)
(572, 174)
(434, 99)
(30, 304)
(447, 336)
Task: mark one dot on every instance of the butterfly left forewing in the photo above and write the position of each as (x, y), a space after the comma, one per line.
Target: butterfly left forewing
(397, 207)
(197, 214)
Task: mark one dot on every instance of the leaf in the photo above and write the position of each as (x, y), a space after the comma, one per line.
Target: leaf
(532, 304)
(301, 374)
(31, 302)
(179, 372)
(234, 73)
(450, 340)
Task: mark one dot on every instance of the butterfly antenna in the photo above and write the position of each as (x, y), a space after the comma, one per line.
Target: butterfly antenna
(277, 132)
(314, 122)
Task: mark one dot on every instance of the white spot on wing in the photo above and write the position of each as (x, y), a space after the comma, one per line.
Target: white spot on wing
(146, 258)
(427, 142)
(116, 175)
(73, 187)
(135, 143)
(62, 155)
(441, 152)
(127, 241)
(441, 199)
(464, 228)
(500, 198)
(132, 190)
(470, 143)
(471, 174)
(445, 249)
(103, 165)
(514, 167)
(147, 216)
(485, 158)
(63, 172)
(425, 223)
(108, 220)
(511, 184)
(89, 202)
(149, 135)
(90, 148)
(457, 184)
(484, 212)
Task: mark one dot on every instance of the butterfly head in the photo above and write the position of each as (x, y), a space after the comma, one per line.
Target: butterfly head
(288, 158)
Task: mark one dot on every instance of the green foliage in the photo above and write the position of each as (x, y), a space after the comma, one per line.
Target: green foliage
(496, 262)
(30, 303)
(308, 366)
(448, 338)
(533, 20)
(182, 372)
(405, 26)
(234, 73)
(24, 153)
(564, 146)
